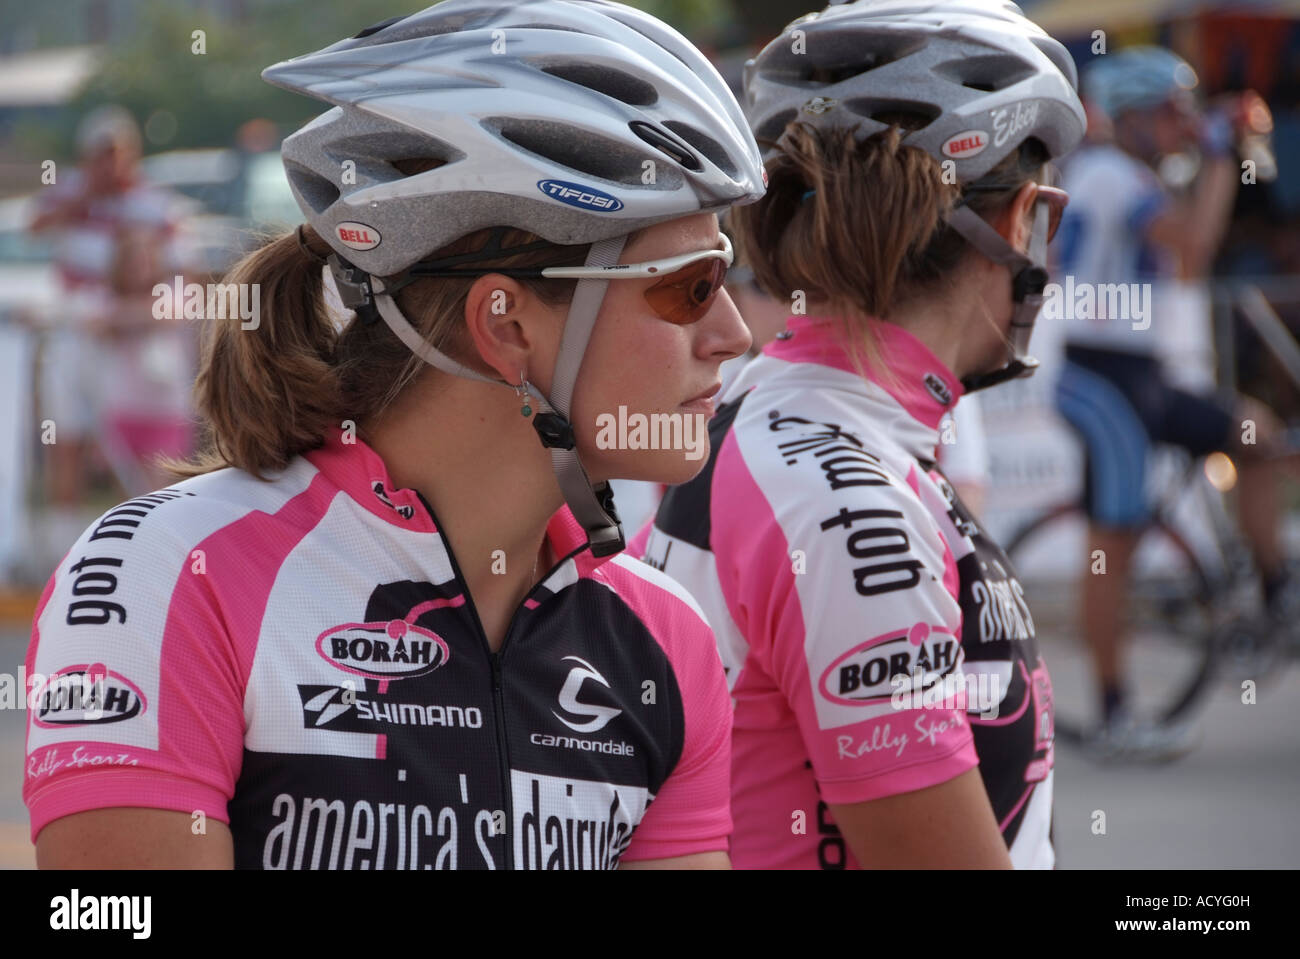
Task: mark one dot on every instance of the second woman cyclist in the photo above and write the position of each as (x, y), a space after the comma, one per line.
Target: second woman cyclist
(402, 651)
(906, 222)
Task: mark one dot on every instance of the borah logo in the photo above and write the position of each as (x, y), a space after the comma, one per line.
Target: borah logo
(392, 650)
(584, 197)
(87, 693)
(861, 677)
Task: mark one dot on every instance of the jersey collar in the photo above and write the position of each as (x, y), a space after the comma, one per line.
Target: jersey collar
(354, 467)
(907, 371)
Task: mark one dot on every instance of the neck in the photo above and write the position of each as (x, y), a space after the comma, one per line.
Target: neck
(485, 474)
(958, 327)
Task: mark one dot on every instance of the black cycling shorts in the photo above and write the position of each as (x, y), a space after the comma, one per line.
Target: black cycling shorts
(1121, 405)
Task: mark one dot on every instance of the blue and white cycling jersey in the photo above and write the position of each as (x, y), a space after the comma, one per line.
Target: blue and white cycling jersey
(1113, 200)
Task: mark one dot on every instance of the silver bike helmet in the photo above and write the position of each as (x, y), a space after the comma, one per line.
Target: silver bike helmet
(968, 81)
(543, 115)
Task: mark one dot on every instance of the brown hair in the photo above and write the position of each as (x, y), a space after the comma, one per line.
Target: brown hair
(271, 393)
(860, 223)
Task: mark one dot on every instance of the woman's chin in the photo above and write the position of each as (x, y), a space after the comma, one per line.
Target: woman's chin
(669, 467)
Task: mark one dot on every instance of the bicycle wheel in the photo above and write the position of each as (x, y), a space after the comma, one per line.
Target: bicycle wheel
(1170, 618)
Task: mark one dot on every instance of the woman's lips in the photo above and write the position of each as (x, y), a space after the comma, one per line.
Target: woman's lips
(703, 402)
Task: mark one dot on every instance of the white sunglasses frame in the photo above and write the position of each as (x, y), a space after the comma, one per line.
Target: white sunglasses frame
(634, 271)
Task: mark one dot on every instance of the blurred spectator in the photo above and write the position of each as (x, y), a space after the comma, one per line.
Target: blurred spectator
(114, 380)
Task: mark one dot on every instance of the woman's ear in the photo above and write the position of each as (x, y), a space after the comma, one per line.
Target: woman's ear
(501, 315)
(1020, 217)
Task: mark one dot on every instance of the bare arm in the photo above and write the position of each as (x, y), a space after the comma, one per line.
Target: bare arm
(700, 860)
(66, 210)
(133, 838)
(948, 826)
(1194, 229)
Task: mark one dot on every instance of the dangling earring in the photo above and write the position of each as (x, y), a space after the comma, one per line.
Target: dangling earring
(522, 392)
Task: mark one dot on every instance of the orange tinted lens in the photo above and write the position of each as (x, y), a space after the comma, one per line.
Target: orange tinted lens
(1056, 200)
(685, 295)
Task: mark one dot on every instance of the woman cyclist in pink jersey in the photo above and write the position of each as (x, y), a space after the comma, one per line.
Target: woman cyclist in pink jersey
(891, 708)
(381, 625)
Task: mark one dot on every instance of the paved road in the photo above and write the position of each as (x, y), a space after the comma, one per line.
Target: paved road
(1230, 804)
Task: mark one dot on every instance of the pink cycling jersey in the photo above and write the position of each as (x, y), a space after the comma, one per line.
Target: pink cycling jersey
(301, 659)
(876, 641)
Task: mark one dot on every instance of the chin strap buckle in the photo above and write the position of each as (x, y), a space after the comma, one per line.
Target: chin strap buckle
(555, 431)
(610, 540)
(1031, 281)
(1021, 366)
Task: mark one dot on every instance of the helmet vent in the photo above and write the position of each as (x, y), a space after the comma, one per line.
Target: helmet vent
(544, 26)
(835, 57)
(666, 144)
(406, 153)
(907, 115)
(771, 129)
(613, 83)
(579, 150)
(381, 25)
(413, 165)
(708, 146)
(319, 192)
(987, 74)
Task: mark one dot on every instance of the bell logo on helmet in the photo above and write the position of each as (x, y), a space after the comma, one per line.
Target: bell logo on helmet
(966, 144)
(583, 197)
(358, 236)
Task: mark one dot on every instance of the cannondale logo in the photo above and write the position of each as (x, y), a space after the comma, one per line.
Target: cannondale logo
(600, 715)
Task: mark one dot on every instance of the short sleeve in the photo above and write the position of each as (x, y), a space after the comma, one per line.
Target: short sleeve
(135, 692)
(692, 812)
(848, 597)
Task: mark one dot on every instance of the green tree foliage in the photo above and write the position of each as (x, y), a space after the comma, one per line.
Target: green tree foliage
(187, 99)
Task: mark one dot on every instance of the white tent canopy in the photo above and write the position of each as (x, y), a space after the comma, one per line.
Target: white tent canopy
(38, 78)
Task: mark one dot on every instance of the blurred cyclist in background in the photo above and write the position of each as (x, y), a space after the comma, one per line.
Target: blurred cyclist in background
(891, 706)
(1124, 226)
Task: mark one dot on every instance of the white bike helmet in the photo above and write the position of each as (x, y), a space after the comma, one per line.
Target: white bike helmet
(542, 116)
(968, 81)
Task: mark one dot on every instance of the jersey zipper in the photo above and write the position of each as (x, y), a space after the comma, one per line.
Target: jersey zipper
(503, 748)
(496, 661)
(498, 705)
(498, 694)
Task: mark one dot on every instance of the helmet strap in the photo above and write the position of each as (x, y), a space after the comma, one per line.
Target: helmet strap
(1028, 281)
(592, 504)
